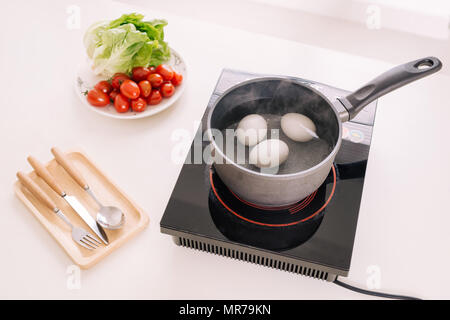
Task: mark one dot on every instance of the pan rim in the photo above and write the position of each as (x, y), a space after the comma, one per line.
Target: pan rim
(306, 172)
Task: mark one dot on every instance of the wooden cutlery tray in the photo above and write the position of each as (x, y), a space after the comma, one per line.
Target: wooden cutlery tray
(107, 192)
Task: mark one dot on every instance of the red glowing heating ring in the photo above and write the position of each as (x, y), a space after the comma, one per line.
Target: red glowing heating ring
(294, 209)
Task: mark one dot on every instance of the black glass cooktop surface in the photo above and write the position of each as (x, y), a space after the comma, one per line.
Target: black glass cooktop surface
(319, 229)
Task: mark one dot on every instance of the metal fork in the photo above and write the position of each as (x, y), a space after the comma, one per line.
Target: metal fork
(79, 235)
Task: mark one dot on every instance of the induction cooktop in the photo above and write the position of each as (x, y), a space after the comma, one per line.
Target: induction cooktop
(313, 237)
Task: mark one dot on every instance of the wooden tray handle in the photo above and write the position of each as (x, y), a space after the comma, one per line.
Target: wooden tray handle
(36, 190)
(42, 172)
(62, 159)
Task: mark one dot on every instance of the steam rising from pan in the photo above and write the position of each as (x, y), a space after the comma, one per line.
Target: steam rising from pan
(272, 98)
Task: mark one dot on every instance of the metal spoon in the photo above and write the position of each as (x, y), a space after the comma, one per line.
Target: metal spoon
(108, 217)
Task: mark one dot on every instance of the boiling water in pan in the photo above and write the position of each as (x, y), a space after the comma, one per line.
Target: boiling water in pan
(302, 155)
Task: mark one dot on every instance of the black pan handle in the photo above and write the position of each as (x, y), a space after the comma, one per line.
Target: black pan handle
(387, 82)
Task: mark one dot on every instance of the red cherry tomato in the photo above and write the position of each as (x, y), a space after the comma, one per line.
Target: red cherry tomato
(112, 95)
(130, 89)
(104, 86)
(167, 89)
(152, 69)
(154, 98)
(140, 73)
(145, 87)
(165, 71)
(177, 79)
(138, 105)
(97, 98)
(155, 80)
(117, 79)
(121, 103)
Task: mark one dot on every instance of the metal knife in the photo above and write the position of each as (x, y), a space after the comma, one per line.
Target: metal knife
(71, 200)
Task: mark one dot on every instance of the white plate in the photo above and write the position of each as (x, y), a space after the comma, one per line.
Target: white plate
(86, 80)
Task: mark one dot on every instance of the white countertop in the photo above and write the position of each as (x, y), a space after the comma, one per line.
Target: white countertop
(403, 223)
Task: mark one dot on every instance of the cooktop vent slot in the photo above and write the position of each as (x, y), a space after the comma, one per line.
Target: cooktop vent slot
(252, 258)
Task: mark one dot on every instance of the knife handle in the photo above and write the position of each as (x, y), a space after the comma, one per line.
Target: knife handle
(42, 172)
(36, 190)
(62, 159)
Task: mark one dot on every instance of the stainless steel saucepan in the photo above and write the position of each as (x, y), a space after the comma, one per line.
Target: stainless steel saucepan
(304, 172)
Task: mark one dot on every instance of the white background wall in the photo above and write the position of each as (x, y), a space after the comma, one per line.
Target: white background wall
(428, 18)
(409, 29)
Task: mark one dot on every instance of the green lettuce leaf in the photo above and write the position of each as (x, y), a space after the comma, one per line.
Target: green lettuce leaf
(92, 37)
(160, 54)
(125, 43)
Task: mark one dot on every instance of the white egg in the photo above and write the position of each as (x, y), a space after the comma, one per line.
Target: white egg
(269, 153)
(298, 127)
(251, 130)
